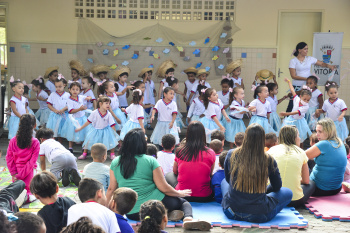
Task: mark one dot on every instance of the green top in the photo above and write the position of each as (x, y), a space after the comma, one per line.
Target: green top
(141, 181)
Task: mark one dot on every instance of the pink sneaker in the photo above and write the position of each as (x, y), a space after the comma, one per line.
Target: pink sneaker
(83, 156)
(112, 156)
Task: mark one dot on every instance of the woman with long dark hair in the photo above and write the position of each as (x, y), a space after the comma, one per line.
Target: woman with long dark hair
(142, 173)
(194, 164)
(247, 170)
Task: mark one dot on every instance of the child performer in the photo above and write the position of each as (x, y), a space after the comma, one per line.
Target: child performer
(213, 110)
(224, 94)
(149, 93)
(102, 130)
(173, 83)
(120, 77)
(77, 70)
(42, 95)
(297, 115)
(87, 86)
(265, 77)
(274, 120)
(316, 101)
(51, 74)
(197, 107)
(100, 71)
(234, 70)
(191, 79)
(166, 69)
(202, 76)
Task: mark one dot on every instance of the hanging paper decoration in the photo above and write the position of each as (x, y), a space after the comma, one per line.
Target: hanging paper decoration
(206, 41)
(147, 49)
(150, 66)
(111, 44)
(215, 49)
(99, 44)
(105, 52)
(207, 68)
(171, 43)
(113, 67)
(159, 40)
(229, 41)
(90, 60)
(215, 58)
(125, 63)
(223, 35)
(116, 52)
(166, 51)
(197, 51)
(221, 66)
(180, 48)
(126, 47)
(150, 53)
(198, 65)
(135, 56)
(192, 43)
(187, 58)
(156, 56)
(226, 50)
(226, 28)
(147, 38)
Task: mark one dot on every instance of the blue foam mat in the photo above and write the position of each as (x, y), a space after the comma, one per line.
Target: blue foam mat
(212, 212)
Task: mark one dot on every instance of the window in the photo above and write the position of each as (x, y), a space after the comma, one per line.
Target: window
(155, 4)
(111, 3)
(219, 15)
(79, 13)
(100, 13)
(132, 14)
(197, 5)
(122, 14)
(165, 15)
(186, 15)
(208, 15)
(208, 5)
(112, 14)
(122, 3)
(175, 15)
(133, 3)
(197, 15)
(143, 14)
(230, 16)
(143, 3)
(176, 4)
(219, 5)
(165, 4)
(154, 14)
(90, 3)
(79, 3)
(90, 13)
(186, 5)
(100, 3)
(230, 5)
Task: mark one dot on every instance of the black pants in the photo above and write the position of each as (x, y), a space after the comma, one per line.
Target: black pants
(319, 192)
(9, 194)
(290, 104)
(171, 203)
(308, 190)
(171, 178)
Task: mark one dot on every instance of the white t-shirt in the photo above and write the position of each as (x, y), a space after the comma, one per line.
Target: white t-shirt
(216, 165)
(165, 110)
(42, 103)
(135, 112)
(233, 111)
(189, 87)
(195, 86)
(52, 148)
(89, 104)
(100, 121)
(302, 69)
(100, 215)
(197, 108)
(262, 108)
(148, 95)
(273, 103)
(314, 98)
(164, 82)
(114, 101)
(166, 161)
(58, 101)
(297, 106)
(214, 109)
(51, 86)
(122, 98)
(236, 81)
(73, 104)
(224, 97)
(333, 110)
(20, 104)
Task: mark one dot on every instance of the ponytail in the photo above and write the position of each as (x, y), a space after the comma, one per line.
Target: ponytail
(25, 131)
(206, 96)
(152, 213)
(136, 96)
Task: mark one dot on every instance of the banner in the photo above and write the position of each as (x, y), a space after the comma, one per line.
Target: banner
(327, 48)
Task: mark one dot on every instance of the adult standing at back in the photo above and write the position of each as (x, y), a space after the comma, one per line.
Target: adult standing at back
(300, 67)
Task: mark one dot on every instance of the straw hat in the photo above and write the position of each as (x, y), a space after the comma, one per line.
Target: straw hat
(168, 64)
(202, 71)
(78, 66)
(233, 65)
(144, 70)
(264, 75)
(120, 70)
(49, 70)
(96, 69)
(191, 70)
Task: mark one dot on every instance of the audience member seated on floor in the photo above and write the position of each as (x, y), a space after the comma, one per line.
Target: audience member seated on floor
(23, 152)
(83, 225)
(54, 213)
(64, 163)
(153, 217)
(166, 157)
(152, 150)
(29, 222)
(330, 158)
(270, 141)
(142, 173)
(239, 139)
(218, 177)
(97, 170)
(13, 196)
(292, 163)
(247, 170)
(194, 164)
(219, 135)
(346, 182)
(92, 195)
(313, 140)
(217, 147)
(122, 202)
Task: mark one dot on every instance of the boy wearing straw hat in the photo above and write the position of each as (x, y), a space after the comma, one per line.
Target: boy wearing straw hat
(77, 70)
(149, 94)
(166, 69)
(100, 71)
(264, 76)
(120, 76)
(234, 70)
(191, 78)
(202, 76)
(51, 74)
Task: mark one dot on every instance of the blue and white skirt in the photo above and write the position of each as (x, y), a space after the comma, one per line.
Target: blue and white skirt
(179, 121)
(162, 128)
(69, 127)
(118, 112)
(106, 136)
(301, 125)
(195, 118)
(30, 111)
(342, 129)
(236, 126)
(56, 122)
(43, 115)
(209, 126)
(264, 123)
(310, 118)
(275, 121)
(129, 125)
(13, 124)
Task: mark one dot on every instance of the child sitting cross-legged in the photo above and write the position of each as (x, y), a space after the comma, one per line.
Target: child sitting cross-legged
(217, 178)
(97, 170)
(239, 139)
(45, 188)
(217, 147)
(64, 163)
(166, 157)
(122, 202)
(92, 195)
(152, 150)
